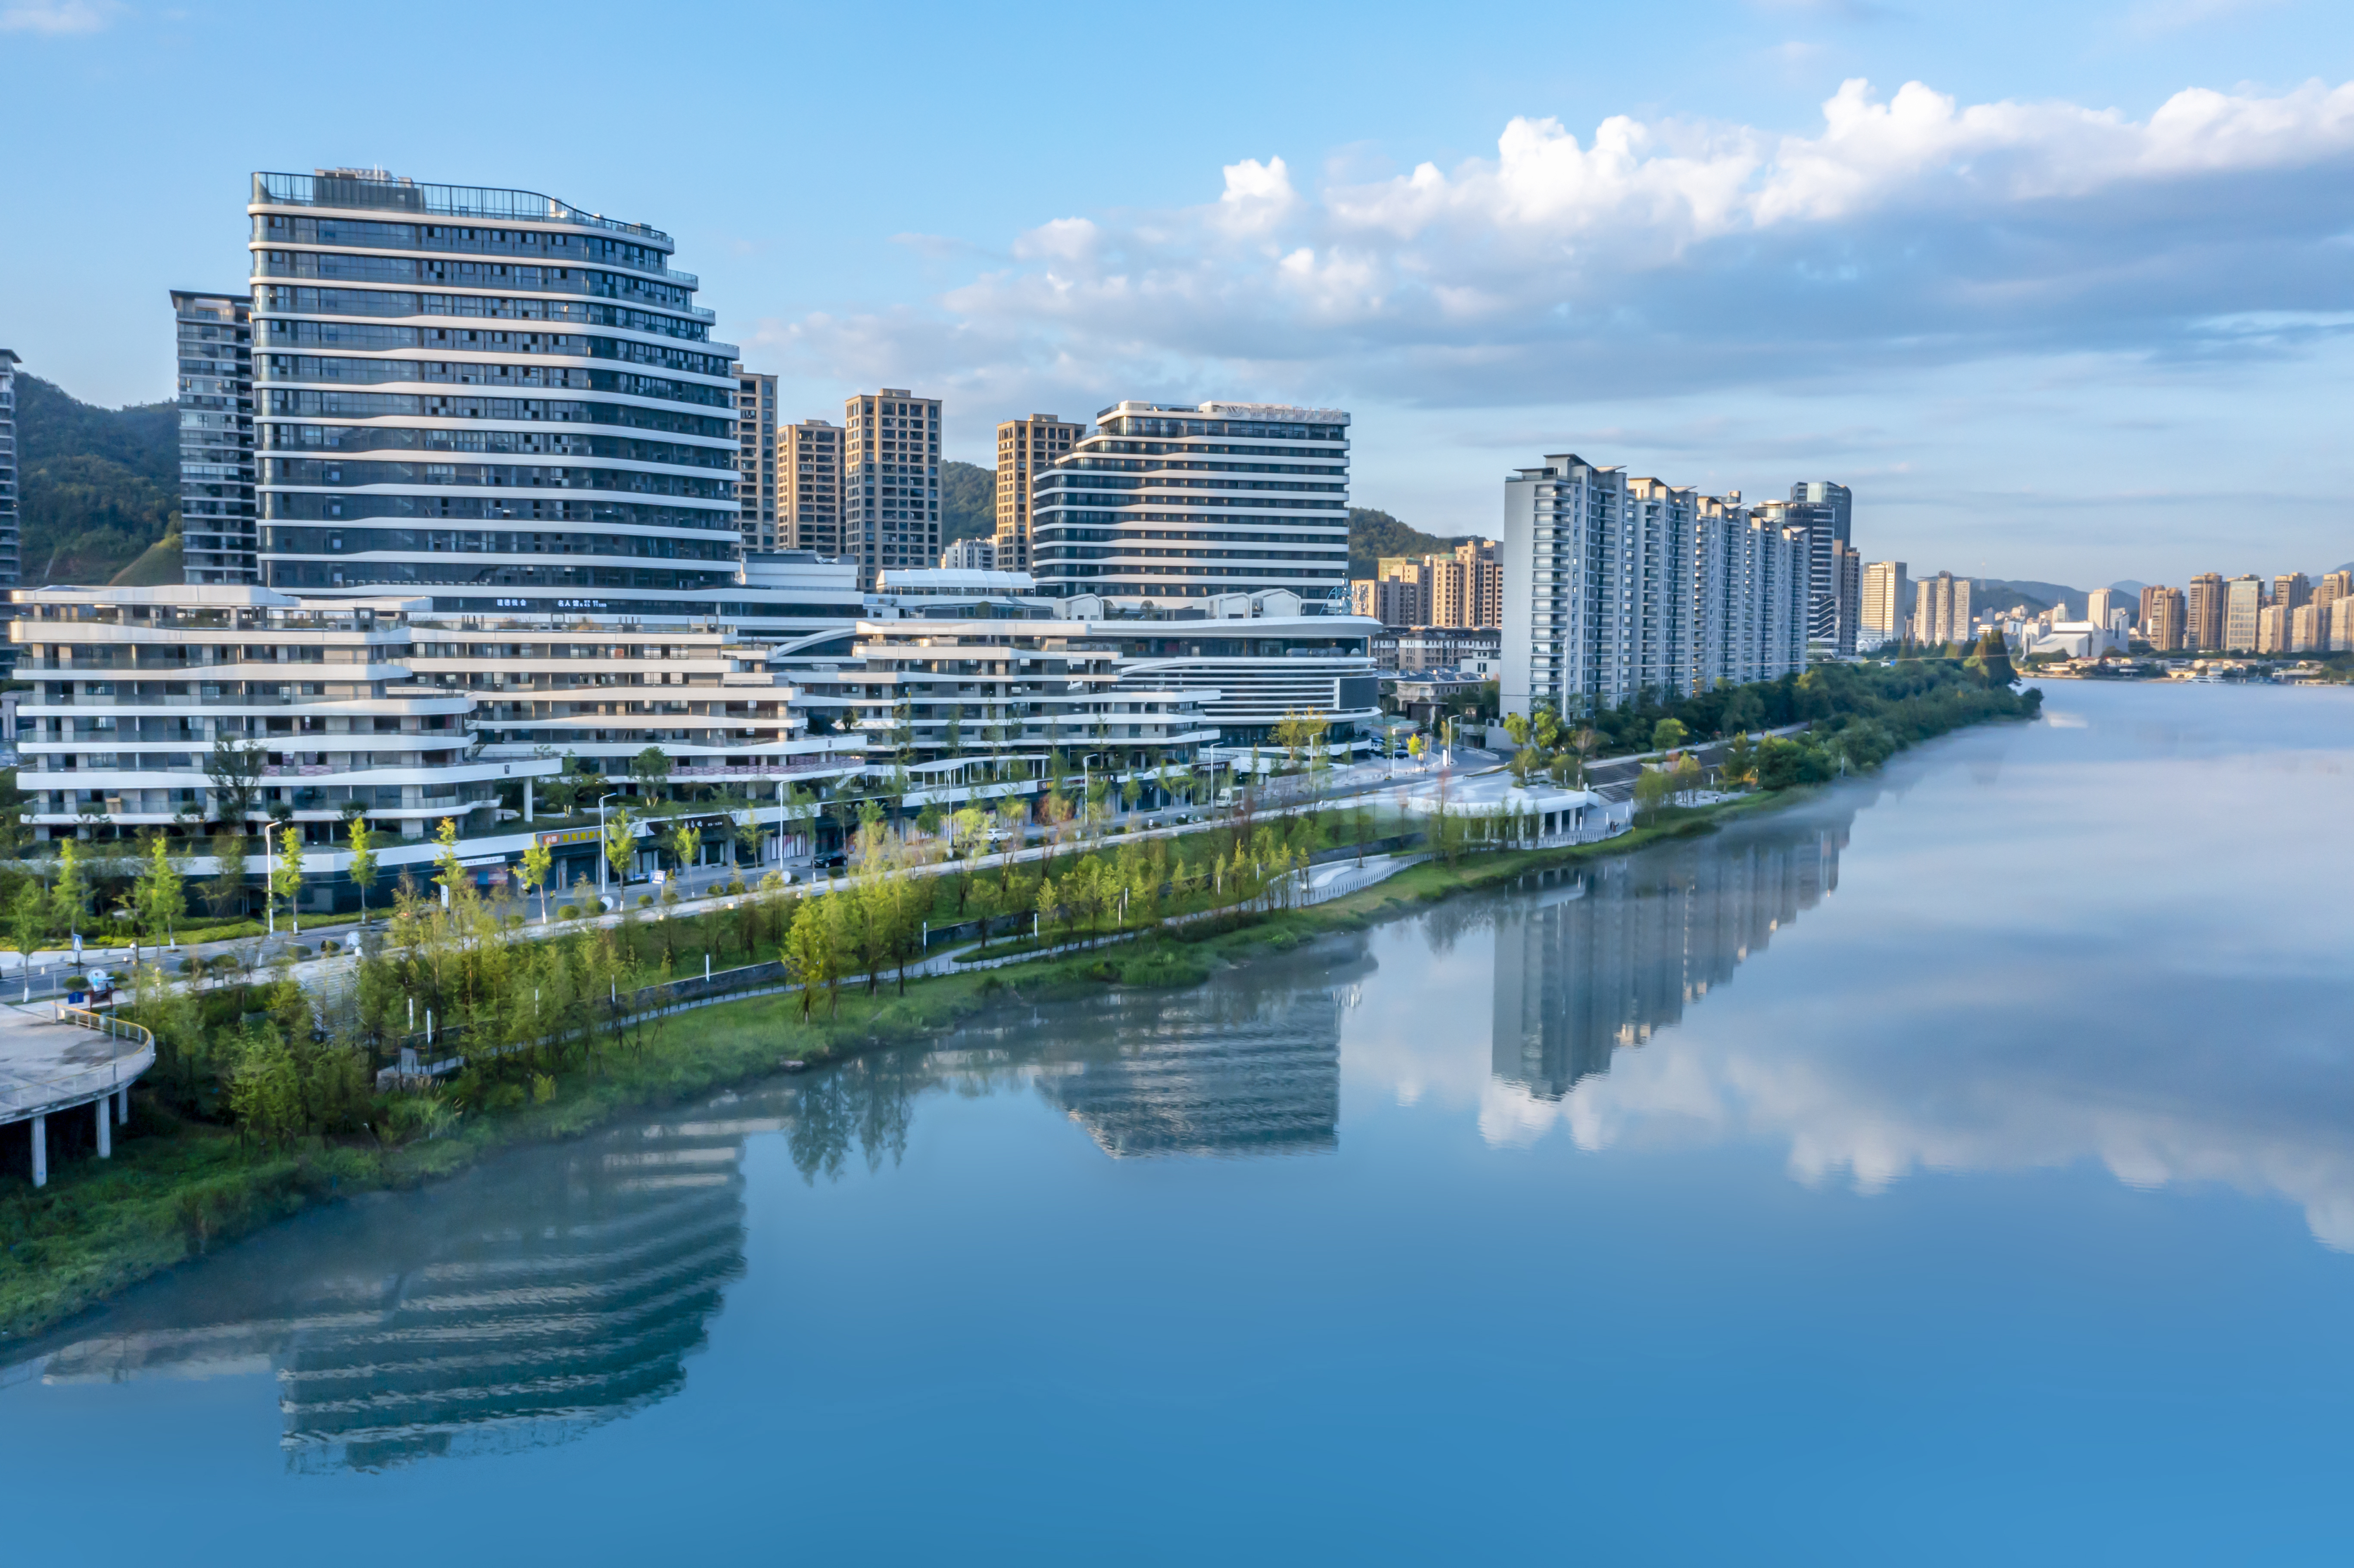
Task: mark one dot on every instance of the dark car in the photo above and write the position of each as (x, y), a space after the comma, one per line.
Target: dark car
(835, 862)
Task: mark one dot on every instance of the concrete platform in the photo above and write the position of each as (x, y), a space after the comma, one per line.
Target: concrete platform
(49, 1065)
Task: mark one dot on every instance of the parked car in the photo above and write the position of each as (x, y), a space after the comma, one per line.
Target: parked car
(835, 861)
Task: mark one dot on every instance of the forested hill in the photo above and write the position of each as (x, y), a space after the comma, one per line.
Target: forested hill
(97, 486)
(1372, 534)
(968, 501)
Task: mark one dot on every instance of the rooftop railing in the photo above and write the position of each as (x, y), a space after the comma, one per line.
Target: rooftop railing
(437, 201)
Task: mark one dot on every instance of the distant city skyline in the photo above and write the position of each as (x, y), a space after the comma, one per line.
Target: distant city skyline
(1773, 258)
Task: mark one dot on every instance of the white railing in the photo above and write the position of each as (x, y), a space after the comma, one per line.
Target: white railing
(129, 1051)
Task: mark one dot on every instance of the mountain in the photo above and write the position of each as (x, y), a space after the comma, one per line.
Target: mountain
(968, 501)
(1372, 534)
(2001, 593)
(97, 487)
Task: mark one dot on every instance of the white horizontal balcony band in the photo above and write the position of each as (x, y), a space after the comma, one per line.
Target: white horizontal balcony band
(475, 257)
(485, 324)
(718, 411)
(483, 355)
(517, 426)
(477, 491)
(519, 460)
(481, 770)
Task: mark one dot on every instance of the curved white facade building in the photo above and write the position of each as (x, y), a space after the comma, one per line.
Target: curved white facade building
(1169, 503)
(488, 397)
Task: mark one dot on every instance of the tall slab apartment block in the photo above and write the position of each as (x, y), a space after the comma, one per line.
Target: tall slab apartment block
(810, 454)
(756, 460)
(1025, 448)
(891, 501)
(215, 344)
(1616, 587)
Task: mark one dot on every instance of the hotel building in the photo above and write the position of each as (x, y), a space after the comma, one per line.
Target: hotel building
(487, 397)
(1167, 504)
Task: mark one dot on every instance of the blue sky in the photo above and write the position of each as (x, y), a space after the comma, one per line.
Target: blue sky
(2063, 292)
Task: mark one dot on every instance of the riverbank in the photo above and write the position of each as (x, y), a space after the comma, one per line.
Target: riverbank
(176, 1190)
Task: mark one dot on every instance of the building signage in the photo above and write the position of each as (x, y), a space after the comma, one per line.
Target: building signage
(569, 836)
(580, 604)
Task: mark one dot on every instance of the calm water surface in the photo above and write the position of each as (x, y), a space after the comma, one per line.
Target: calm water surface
(1957, 1169)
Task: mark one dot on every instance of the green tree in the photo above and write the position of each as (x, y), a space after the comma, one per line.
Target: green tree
(29, 924)
(69, 894)
(363, 862)
(538, 863)
(1652, 788)
(809, 955)
(620, 841)
(160, 894)
(234, 768)
(447, 872)
(686, 845)
(286, 876)
(225, 892)
(1740, 764)
(650, 770)
(1668, 734)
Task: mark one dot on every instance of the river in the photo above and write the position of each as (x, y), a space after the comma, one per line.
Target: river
(1956, 1166)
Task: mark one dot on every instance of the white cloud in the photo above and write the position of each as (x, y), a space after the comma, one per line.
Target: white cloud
(57, 17)
(1908, 228)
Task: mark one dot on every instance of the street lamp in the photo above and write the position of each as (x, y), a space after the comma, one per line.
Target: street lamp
(268, 899)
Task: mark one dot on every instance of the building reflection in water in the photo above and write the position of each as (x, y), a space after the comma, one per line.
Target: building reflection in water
(518, 1307)
(552, 1290)
(1595, 958)
(1218, 1070)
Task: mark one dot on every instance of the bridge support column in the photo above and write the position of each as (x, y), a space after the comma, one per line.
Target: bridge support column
(40, 1151)
(122, 1107)
(105, 1107)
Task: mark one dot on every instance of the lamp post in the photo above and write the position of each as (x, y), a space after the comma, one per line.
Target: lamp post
(600, 836)
(268, 899)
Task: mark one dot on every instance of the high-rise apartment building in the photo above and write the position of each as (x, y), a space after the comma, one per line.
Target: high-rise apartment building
(216, 473)
(1025, 448)
(811, 502)
(11, 518)
(1847, 598)
(2244, 605)
(1393, 602)
(1825, 511)
(1467, 588)
(2308, 628)
(891, 499)
(1170, 503)
(2203, 612)
(2334, 586)
(2292, 590)
(1407, 580)
(1885, 601)
(2100, 603)
(1617, 587)
(1941, 609)
(488, 397)
(2339, 627)
(2163, 623)
(755, 460)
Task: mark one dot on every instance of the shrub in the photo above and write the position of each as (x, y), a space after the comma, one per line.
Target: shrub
(569, 912)
(645, 900)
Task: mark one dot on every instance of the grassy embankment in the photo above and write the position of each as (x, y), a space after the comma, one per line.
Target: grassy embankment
(177, 1187)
